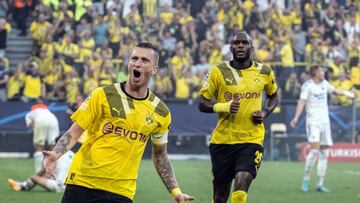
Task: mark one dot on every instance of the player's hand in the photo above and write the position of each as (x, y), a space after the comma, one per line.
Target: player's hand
(231, 106)
(49, 163)
(293, 122)
(258, 117)
(182, 198)
(234, 106)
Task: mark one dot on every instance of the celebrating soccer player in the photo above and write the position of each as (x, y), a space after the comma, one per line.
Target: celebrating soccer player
(236, 143)
(120, 119)
(314, 95)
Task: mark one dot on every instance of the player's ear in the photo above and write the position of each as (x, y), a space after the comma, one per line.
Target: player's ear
(155, 69)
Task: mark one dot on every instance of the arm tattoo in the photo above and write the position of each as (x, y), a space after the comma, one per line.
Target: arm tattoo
(63, 144)
(163, 167)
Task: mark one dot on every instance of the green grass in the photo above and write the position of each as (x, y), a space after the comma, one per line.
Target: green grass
(277, 182)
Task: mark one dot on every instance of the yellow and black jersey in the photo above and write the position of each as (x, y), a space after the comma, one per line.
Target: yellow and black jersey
(226, 83)
(118, 128)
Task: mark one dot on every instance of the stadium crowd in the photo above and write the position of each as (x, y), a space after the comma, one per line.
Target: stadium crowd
(80, 44)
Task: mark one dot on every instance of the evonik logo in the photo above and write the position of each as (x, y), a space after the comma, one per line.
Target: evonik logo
(133, 135)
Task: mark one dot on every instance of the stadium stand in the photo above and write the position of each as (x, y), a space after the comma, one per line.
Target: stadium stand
(80, 45)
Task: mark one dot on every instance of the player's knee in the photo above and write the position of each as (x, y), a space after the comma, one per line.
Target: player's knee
(314, 152)
(243, 180)
(324, 154)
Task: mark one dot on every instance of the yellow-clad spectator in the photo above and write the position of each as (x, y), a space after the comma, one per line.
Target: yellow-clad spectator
(163, 85)
(287, 62)
(285, 18)
(338, 67)
(48, 47)
(38, 30)
(51, 80)
(343, 83)
(236, 16)
(311, 8)
(72, 87)
(287, 56)
(355, 75)
(263, 54)
(116, 32)
(90, 82)
(179, 62)
(183, 82)
(185, 17)
(296, 15)
(166, 16)
(106, 76)
(87, 43)
(215, 54)
(69, 49)
(15, 83)
(110, 17)
(105, 51)
(150, 8)
(133, 16)
(95, 63)
(44, 63)
(81, 7)
(248, 6)
(63, 11)
(34, 87)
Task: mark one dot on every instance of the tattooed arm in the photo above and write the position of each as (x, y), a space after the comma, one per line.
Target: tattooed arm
(65, 143)
(165, 170)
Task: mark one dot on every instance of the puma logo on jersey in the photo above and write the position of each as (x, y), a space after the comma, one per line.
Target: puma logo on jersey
(228, 80)
(117, 111)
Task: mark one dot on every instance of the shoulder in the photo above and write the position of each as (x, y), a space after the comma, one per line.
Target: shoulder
(160, 107)
(264, 69)
(307, 84)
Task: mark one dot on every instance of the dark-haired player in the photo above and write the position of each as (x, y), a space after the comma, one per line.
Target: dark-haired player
(236, 143)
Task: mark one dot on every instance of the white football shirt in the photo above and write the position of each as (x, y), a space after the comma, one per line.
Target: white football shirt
(316, 100)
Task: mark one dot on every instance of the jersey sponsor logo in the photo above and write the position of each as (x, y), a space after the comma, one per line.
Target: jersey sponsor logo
(236, 96)
(319, 96)
(132, 135)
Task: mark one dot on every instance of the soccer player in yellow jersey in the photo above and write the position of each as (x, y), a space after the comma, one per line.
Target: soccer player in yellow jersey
(236, 142)
(119, 119)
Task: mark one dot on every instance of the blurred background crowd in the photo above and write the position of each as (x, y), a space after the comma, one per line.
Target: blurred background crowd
(79, 45)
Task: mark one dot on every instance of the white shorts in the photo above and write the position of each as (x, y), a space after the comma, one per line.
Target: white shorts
(320, 133)
(46, 132)
(55, 186)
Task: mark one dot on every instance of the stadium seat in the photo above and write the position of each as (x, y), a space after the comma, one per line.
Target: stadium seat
(278, 131)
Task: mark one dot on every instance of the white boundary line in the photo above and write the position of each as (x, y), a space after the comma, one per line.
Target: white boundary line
(189, 157)
(14, 155)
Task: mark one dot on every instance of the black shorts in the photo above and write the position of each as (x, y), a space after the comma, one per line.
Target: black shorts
(227, 159)
(79, 194)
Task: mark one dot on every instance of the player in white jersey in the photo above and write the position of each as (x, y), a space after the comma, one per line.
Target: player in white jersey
(55, 184)
(314, 96)
(45, 128)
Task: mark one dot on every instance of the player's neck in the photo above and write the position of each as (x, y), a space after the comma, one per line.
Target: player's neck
(241, 64)
(135, 92)
(316, 80)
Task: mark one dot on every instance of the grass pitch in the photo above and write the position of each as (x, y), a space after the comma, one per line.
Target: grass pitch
(277, 182)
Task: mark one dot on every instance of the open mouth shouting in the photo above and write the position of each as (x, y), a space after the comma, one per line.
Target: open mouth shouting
(136, 73)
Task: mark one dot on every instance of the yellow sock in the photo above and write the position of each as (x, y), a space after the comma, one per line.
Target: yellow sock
(238, 196)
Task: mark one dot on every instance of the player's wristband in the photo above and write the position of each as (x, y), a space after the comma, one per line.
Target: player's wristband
(222, 107)
(175, 192)
(349, 94)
